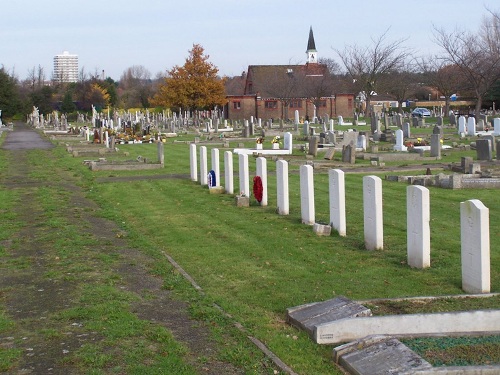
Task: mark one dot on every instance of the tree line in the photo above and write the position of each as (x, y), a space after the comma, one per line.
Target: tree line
(469, 66)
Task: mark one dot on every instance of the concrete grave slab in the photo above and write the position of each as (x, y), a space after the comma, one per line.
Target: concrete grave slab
(308, 316)
(378, 355)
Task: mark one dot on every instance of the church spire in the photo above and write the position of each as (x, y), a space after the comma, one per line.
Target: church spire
(312, 56)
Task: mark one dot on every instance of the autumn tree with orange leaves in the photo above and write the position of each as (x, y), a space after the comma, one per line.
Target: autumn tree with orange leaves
(193, 86)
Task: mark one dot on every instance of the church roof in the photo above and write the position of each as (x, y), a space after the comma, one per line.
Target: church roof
(311, 46)
(271, 81)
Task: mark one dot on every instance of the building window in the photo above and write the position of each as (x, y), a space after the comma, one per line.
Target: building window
(271, 104)
(236, 105)
(322, 103)
(296, 103)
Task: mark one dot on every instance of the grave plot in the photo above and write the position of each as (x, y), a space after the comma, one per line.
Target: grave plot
(139, 163)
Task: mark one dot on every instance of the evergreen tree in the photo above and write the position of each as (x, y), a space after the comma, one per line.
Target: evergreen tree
(10, 103)
(67, 105)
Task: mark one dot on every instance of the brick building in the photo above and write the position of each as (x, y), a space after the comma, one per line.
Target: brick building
(277, 91)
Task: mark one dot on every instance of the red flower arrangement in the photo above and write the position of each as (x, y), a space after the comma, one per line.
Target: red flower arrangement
(257, 188)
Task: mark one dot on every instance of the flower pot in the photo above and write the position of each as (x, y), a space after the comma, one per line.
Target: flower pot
(258, 146)
(276, 146)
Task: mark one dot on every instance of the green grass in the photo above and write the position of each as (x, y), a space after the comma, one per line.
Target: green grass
(255, 263)
(250, 261)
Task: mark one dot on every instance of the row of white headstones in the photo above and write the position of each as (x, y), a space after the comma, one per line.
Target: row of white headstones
(474, 215)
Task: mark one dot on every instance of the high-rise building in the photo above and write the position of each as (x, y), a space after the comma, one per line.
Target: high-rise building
(66, 67)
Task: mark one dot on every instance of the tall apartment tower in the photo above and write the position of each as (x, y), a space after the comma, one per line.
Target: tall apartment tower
(66, 67)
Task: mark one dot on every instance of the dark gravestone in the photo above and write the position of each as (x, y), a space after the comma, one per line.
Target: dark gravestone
(484, 149)
(349, 154)
(466, 162)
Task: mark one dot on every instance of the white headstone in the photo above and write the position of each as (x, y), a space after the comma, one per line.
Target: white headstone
(228, 172)
(307, 194)
(461, 124)
(361, 142)
(297, 120)
(244, 174)
(417, 226)
(331, 125)
(261, 171)
(203, 166)
(399, 146)
(475, 246)
(288, 142)
(471, 126)
(282, 187)
(341, 120)
(216, 165)
(496, 126)
(337, 200)
(373, 218)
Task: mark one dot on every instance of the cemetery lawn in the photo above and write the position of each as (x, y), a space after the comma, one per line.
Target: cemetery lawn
(250, 262)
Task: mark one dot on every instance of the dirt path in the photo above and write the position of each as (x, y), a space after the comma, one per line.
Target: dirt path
(29, 295)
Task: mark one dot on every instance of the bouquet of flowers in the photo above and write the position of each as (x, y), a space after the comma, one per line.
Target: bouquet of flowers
(259, 140)
(276, 139)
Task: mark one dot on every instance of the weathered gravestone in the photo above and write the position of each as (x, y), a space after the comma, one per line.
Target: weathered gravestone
(313, 146)
(329, 154)
(349, 154)
(483, 149)
(436, 145)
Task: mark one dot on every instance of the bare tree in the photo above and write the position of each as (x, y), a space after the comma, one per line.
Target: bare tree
(135, 87)
(476, 55)
(440, 75)
(366, 65)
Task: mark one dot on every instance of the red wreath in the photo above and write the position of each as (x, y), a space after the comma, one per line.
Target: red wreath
(257, 188)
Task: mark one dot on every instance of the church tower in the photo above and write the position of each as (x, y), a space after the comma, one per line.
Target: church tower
(312, 54)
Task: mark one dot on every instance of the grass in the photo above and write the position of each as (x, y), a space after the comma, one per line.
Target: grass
(250, 261)
(256, 263)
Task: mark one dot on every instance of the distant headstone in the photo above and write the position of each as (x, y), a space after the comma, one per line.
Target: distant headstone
(462, 125)
(329, 153)
(465, 163)
(484, 149)
(436, 145)
(406, 130)
(471, 126)
(452, 118)
(496, 126)
(349, 154)
(306, 128)
(399, 146)
(313, 146)
(438, 130)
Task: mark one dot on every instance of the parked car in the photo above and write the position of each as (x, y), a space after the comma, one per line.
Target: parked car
(421, 112)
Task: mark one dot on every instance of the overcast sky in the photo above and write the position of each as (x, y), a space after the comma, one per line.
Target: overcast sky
(113, 35)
